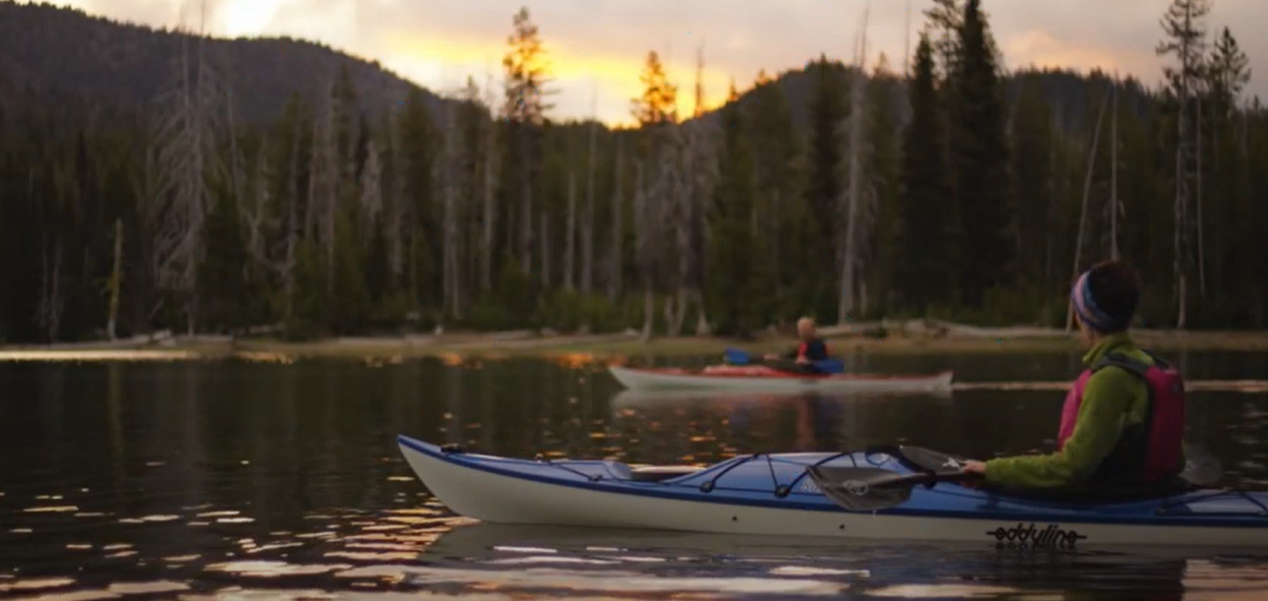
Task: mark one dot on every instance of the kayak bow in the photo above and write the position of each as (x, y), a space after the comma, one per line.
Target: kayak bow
(775, 494)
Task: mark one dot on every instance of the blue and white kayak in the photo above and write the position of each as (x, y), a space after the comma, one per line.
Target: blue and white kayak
(781, 495)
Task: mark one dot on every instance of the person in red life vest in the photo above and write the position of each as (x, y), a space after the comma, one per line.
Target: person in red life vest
(1122, 425)
(811, 349)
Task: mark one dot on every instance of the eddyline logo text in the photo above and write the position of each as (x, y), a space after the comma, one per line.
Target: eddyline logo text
(1033, 536)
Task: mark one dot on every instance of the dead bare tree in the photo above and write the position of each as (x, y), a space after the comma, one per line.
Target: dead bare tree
(703, 170)
(1114, 206)
(371, 190)
(254, 207)
(671, 190)
(587, 227)
(236, 169)
(323, 190)
(490, 168)
(292, 223)
(617, 234)
(1198, 118)
(396, 211)
(186, 153)
(850, 254)
(545, 250)
(115, 285)
(449, 176)
(48, 312)
(570, 239)
(1183, 25)
(1087, 190)
(646, 247)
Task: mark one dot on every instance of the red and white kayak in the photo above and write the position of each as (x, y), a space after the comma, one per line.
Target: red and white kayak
(766, 379)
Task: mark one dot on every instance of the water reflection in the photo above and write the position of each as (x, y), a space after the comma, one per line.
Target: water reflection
(277, 479)
(867, 570)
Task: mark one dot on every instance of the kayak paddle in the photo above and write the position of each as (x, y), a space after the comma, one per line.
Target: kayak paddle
(871, 489)
(1200, 467)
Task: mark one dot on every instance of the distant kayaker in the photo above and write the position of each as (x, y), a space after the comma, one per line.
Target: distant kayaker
(811, 349)
(1114, 433)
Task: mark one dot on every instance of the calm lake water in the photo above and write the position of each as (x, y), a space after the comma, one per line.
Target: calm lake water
(275, 479)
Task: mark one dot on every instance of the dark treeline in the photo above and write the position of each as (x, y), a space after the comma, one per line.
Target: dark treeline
(953, 189)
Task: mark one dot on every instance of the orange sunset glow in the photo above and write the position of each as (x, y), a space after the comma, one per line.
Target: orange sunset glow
(596, 53)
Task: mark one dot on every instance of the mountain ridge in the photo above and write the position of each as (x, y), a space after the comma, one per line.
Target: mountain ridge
(128, 65)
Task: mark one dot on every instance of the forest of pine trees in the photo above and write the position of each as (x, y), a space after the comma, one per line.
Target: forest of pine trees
(850, 190)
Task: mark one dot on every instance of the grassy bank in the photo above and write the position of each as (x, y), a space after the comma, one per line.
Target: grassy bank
(615, 346)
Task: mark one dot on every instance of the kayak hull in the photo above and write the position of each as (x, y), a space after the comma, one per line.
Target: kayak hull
(760, 379)
(567, 493)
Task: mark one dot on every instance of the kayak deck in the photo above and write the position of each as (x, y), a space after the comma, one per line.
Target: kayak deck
(772, 494)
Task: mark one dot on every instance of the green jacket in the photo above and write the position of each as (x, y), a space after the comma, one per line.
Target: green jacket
(1112, 399)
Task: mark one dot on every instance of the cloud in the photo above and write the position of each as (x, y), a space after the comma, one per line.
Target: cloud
(439, 42)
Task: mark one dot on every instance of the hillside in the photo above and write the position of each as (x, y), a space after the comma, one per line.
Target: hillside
(120, 65)
(1070, 94)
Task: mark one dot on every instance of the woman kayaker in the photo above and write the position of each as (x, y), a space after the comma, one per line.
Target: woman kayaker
(1122, 425)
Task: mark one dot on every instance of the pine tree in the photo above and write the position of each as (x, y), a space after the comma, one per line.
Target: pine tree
(826, 185)
(734, 296)
(924, 272)
(1226, 76)
(527, 75)
(222, 276)
(415, 156)
(658, 103)
(1032, 139)
(884, 168)
(780, 212)
(980, 159)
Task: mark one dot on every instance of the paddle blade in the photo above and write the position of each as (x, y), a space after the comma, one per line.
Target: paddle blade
(830, 366)
(1200, 468)
(736, 356)
(861, 488)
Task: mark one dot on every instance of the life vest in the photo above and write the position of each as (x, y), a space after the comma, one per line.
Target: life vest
(1150, 451)
(804, 348)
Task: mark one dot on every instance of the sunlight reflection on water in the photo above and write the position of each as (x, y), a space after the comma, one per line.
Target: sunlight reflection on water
(272, 479)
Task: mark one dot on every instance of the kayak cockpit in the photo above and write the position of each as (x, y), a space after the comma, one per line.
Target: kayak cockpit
(661, 473)
(652, 473)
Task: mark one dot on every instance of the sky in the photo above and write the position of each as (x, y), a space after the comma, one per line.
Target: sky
(597, 47)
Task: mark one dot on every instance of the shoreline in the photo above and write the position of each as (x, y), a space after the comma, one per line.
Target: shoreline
(847, 340)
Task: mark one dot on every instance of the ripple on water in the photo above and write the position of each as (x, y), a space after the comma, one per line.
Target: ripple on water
(113, 591)
(942, 591)
(620, 581)
(272, 569)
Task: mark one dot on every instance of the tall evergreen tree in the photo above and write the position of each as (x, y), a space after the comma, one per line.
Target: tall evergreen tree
(1227, 188)
(1032, 164)
(825, 187)
(980, 155)
(733, 283)
(527, 78)
(414, 157)
(925, 245)
(884, 167)
(781, 210)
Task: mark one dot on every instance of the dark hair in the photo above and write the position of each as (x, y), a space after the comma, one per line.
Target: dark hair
(1116, 288)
